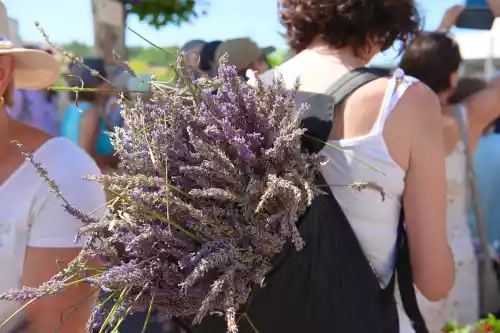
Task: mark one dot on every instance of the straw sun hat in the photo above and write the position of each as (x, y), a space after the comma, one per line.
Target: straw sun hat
(34, 69)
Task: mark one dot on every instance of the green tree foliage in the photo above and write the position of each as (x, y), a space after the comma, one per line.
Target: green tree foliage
(149, 55)
(159, 13)
(79, 49)
(153, 56)
(145, 60)
(277, 58)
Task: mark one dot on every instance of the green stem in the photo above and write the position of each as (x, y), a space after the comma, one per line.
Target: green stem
(148, 315)
(17, 312)
(250, 322)
(348, 154)
(73, 309)
(82, 89)
(113, 310)
(115, 329)
(199, 71)
(156, 215)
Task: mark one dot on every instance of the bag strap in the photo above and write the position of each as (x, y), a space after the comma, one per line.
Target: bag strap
(352, 81)
(319, 125)
(404, 274)
(459, 111)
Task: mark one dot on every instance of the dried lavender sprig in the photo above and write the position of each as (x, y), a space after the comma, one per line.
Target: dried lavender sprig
(74, 59)
(54, 188)
(41, 171)
(52, 287)
(124, 64)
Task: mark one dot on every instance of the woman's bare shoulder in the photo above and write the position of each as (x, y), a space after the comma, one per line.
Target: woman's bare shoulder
(419, 104)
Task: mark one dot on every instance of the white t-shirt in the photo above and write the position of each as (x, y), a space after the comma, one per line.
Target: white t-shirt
(31, 215)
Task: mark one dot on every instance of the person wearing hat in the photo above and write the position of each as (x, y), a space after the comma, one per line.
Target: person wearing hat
(207, 57)
(244, 54)
(85, 121)
(113, 111)
(140, 86)
(37, 108)
(192, 49)
(37, 234)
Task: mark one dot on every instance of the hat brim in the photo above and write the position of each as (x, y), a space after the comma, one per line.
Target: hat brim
(35, 69)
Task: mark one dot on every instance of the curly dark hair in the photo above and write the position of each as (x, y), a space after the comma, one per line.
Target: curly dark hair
(353, 23)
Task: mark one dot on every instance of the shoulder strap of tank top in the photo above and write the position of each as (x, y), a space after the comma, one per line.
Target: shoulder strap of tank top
(398, 85)
(460, 112)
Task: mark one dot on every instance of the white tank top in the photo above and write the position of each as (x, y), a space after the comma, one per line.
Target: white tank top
(374, 221)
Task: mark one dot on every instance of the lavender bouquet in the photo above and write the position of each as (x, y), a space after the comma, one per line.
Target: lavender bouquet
(212, 182)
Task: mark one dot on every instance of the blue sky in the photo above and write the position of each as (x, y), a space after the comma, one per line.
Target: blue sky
(68, 20)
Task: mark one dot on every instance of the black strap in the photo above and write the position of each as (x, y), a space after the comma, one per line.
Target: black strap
(318, 122)
(352, 81)
(405, 280)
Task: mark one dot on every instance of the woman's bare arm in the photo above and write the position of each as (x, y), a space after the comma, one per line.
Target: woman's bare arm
(425, 195)
(483, 108)
(48, 313)
(52, 244)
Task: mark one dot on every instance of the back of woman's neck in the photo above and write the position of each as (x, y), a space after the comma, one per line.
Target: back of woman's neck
(444, 98)
(345, 55)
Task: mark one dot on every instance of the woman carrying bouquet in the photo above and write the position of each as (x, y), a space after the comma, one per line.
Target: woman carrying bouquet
(36, 233)
(37, 108)
(383, 125)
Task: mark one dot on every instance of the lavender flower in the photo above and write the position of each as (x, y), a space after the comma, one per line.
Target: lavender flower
(211, 184)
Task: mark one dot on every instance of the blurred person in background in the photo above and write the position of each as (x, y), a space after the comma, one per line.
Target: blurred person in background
(139, 87)
(486, 166)
(434, 58)
(37, 234)
(85, 121)
(207, 58)
(119, 78)
(37, 108)
(244, 54)
(192, 50)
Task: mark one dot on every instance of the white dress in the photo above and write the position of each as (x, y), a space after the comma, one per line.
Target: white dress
(462, 303)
